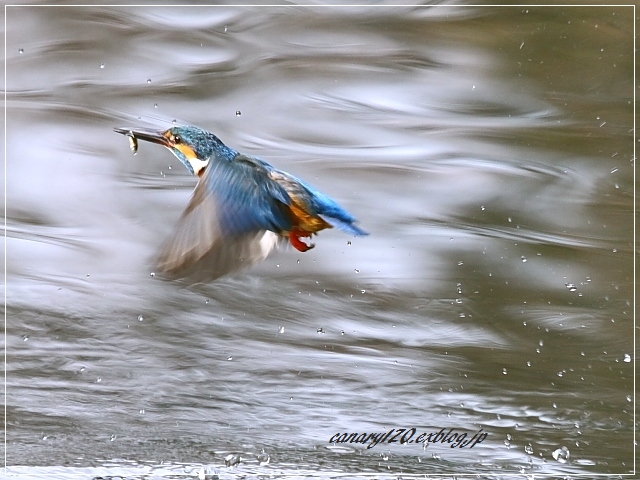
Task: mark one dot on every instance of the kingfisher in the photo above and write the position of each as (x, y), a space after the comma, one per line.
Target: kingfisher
(241, 208)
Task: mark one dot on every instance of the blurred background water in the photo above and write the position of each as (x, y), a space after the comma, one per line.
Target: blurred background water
(488, 151)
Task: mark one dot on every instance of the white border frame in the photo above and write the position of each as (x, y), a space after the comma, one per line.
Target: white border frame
(338, 6)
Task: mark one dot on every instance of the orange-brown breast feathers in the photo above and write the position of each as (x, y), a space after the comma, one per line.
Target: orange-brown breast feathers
(303, 220)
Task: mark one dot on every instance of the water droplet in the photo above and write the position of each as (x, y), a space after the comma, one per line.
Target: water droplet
(225, 29)
(82, 369)
(362, 291)
(509, 218)
(113, 437)
(473, 87)
(263, 459)
(528, 364)
(25, 338)
(614, 250)
(152, 274)
(142, 411)
(102, 65)
(571, 287)
(561, 454)
(523, 259)
(460, 263)
(629, 399)
(99, 379)
(357, 271)
(348, 243)
(554, 405)
(482, 207)
(320, 330)
(140, 318)
(232, 460)
(174, 121)
(627, 358)
(281, 329)
(521, 45)
(528, 449)
(238, 113)
(155, 105)
(504, 371)
(148, 81)
(21, 51)
(541, 343)
(341, 332)
(230, 358)
(560, 374)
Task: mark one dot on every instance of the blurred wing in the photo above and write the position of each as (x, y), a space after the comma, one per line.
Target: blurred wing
(229, 222)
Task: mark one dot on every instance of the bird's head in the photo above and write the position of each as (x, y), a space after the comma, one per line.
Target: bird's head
(193, 146)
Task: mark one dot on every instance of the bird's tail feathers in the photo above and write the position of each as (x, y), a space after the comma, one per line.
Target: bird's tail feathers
(347, 227)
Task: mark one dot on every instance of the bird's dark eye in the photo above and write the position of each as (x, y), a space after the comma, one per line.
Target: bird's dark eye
(177, 139)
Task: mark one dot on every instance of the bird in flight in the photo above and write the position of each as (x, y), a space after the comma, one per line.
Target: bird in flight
(241, 208)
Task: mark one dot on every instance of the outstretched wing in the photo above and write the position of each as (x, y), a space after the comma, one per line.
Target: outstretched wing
(230, 222)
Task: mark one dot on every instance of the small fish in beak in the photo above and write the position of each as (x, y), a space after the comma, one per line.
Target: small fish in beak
(133, 142)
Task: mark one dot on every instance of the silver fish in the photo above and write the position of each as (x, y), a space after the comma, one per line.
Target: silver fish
(133, 142)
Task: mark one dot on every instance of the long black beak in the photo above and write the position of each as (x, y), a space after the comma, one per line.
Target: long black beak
(154, 136)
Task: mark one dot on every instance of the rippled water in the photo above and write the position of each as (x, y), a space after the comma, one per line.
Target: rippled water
(489, 151)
